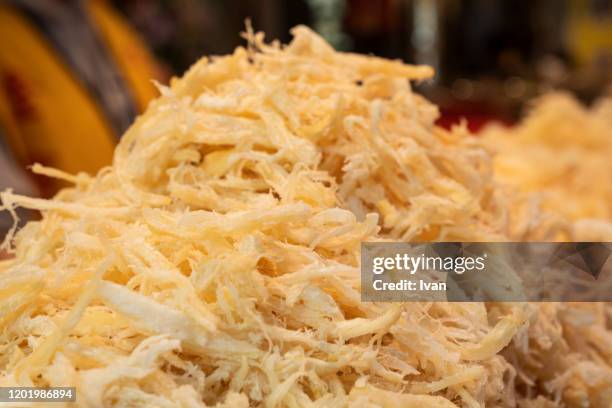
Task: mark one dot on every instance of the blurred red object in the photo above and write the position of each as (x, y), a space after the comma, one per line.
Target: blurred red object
(477, 117)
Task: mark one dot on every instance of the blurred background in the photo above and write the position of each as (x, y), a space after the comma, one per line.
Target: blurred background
(75, 73)
(490, 55)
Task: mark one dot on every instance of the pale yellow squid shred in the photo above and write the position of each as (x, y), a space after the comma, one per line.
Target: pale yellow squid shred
(216, 263)
(559, 159)
(561, 155)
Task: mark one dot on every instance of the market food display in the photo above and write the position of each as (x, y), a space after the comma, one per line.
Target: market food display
(216, 263)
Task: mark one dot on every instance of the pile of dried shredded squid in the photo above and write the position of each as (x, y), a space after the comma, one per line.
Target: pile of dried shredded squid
(216, 262)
